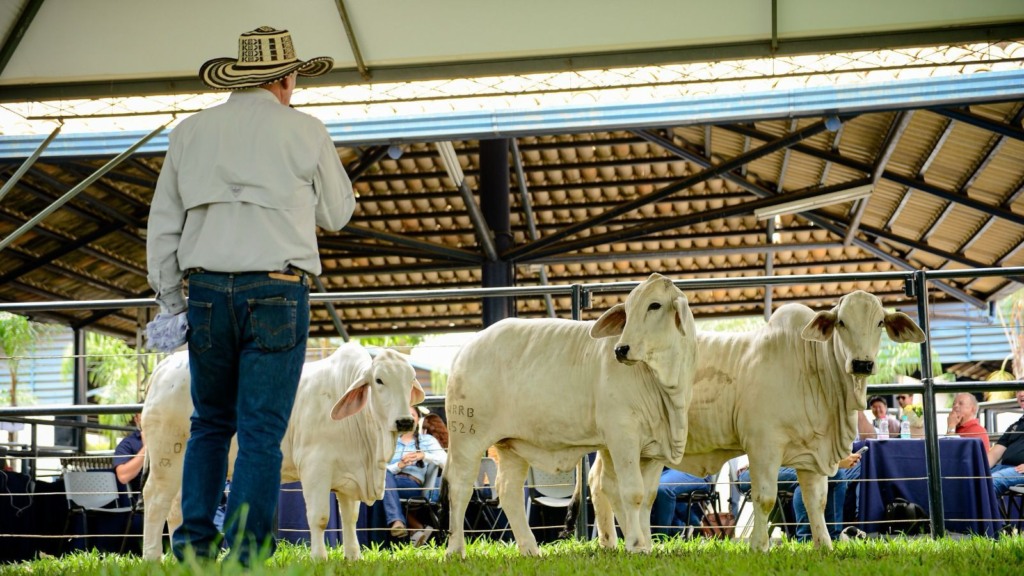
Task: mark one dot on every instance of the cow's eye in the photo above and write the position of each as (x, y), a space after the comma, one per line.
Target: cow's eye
(379, 381)
(841, 324)
(654, 306)
(881, 323)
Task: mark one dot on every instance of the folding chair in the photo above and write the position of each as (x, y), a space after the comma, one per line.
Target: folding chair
(91, 491)
(488, 509)
(421, 500)
(705, 499)
(549, 490)
(783, 502)
(1011, 504)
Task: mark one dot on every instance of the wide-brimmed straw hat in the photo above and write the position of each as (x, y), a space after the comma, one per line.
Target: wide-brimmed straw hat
(264, 55)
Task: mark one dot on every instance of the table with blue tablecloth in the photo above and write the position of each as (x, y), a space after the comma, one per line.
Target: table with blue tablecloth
(896, 468)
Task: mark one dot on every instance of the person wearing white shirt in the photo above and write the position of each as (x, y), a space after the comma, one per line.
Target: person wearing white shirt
(242, 189)
(407, 470)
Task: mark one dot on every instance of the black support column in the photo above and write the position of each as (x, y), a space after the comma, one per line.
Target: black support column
(495, 205)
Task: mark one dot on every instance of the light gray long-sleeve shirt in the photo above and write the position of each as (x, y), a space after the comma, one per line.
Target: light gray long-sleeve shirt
(242, 189)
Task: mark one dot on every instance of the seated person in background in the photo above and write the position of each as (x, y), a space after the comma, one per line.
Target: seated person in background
(406, 471)
(864, 428)
(1007, 455)
(129, 456)
(433, 425)
(963, 418)
(880, 409)
(668, 515)
(904, 400)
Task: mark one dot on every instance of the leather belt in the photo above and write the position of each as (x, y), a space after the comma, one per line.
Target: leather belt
(289, 274)
(414, 479)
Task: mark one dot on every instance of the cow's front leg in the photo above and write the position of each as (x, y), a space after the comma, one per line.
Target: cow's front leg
(604, 491)
(764, 489)
(651, 471)
(631, 497)
(512, 470)
(815, 491)
(349, 509)
(316, 492)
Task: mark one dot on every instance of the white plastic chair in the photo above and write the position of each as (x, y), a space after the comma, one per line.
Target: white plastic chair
(550, 490)
(91, 491)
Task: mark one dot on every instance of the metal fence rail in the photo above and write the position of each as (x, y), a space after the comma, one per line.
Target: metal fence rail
(916, 284)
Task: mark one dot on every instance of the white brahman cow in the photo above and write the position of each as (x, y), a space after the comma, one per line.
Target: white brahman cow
(343, 449)
(548, 391)
(786, 395)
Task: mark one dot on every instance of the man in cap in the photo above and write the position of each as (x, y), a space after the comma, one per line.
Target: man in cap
(242, 189)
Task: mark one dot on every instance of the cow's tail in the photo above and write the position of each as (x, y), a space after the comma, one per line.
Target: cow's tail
(573, 511)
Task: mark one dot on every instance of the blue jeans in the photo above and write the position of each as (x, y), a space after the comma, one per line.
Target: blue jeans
(835, 499)
(1004, 476)
(787, 479)
(395, 488)
(668, 515)
(787, 482)
(246, 344)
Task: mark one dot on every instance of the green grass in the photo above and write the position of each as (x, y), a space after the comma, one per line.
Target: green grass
(873, 557)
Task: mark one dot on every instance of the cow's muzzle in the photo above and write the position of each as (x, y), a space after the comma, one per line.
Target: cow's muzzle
(863, 367)
(622, 352)
(404, 424)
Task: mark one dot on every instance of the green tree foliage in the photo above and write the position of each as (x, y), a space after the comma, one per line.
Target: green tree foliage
(115, 373)
(18, 339)
(402, 343)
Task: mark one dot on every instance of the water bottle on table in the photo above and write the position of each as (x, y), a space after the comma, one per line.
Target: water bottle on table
(882, 428)
(904, 428)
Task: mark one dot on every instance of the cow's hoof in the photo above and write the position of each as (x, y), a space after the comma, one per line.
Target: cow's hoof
(456, 552)
(637, 548)
(608, 542)
(528, 550)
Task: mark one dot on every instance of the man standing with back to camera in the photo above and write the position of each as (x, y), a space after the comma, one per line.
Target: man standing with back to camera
(242, 189)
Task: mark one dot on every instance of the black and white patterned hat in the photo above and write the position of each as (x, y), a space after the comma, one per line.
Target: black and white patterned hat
(264, 55)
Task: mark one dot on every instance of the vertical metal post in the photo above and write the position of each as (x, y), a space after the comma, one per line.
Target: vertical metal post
(81, 387)
(931, 434)
(30, 466)
(495, 207)
(580, 298)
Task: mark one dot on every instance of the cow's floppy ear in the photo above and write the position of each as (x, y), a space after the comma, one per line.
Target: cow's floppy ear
(820, 327)
(354, 400)
(901, 328)
(610, 323)
(684, 317)
(417, 395)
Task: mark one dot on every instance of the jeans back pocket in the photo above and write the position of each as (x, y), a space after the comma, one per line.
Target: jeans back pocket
(200, 316)
(273, 323)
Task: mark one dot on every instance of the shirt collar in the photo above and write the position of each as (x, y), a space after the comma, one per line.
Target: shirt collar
(252, 94)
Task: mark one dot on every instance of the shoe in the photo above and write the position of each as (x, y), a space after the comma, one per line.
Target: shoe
(398, 529)
(420, 537)
(852, 533)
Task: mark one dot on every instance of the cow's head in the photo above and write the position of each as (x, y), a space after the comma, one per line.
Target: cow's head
(854, 326)
(655, 317)
(389, 386)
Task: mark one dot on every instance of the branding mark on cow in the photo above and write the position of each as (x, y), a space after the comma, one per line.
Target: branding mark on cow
(462, 410)
(165, 462)
(177, 448)
(461, 427)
